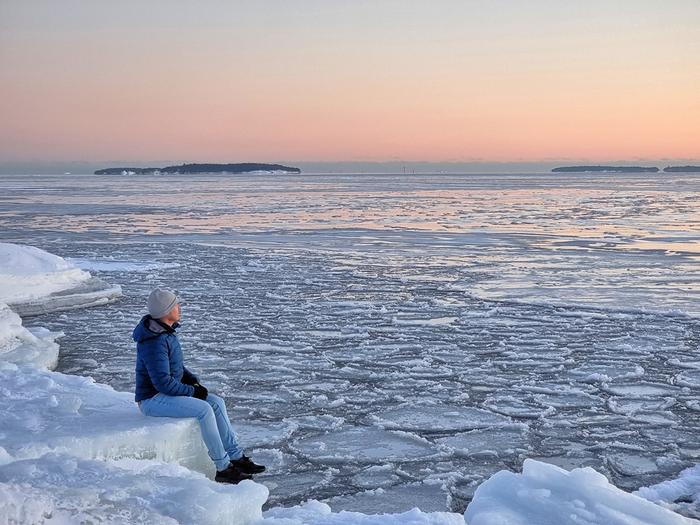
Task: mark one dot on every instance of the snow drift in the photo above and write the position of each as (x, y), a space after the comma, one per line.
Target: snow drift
(34, 281)
(548, 495)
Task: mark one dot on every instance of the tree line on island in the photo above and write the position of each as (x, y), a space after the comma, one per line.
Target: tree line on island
(243, 167)
(250, 167)
(626, 169)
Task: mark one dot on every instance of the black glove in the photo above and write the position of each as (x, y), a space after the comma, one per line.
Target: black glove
(200, 392)
(188, 380)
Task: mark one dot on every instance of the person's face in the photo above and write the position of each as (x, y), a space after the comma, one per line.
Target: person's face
(176, 313)
(173, 316)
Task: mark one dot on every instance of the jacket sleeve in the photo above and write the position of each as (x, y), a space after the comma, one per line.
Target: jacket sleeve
(188, 378)
(158, 367)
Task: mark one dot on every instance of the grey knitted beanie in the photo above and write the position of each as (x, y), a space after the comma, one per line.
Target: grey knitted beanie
(160, 302)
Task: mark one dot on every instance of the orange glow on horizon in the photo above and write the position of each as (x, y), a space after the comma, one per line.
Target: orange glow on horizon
(501, 92)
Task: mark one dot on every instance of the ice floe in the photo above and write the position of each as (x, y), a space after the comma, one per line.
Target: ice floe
(112, 265)
(498, 442)
(363, 445)
(439, 418)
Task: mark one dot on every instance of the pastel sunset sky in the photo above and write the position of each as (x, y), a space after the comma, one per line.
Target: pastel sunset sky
(357, 80)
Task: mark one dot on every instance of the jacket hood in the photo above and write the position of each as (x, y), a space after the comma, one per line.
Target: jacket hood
(148, 328)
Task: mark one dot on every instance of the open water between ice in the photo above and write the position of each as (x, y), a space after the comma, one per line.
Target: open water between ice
(385, 342)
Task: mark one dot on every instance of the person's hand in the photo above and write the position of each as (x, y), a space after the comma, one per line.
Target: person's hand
(188, 381)
(200, 392)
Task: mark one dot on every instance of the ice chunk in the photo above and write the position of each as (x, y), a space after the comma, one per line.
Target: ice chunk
(256, 434)
(363, 445)
(34, 281)
(517, 407)
(690, 378)
(632, 464)
(375, 476)
(426, 496)
(28, 273)
(317, 513)
(299, 486)
(682, 493)
(115, 265)
(73, 490)
(499, 442)
(607, 371)
(439, 418)
(548, 495)
(629, 406)
(91, 292)
(436, 321)
(47, 411)
(20, 346)
(641, 389)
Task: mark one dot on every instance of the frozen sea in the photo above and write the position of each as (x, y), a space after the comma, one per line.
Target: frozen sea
(387, 341)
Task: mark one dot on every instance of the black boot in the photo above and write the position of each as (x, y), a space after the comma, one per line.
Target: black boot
(231, 474)
(244, 464)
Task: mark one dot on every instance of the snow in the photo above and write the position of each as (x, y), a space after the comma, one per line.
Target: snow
(21, 346)
(545, 494)
(35, 281)
(75, 490)
(681, 494)
(48, 411)
(30, 273)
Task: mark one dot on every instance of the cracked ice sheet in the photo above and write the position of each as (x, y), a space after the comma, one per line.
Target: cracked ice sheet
(275, 286)
(273, 371)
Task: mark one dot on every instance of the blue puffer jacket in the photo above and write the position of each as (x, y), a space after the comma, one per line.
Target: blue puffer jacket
(159, 366)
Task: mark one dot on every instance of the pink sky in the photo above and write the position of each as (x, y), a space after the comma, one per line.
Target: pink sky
(315, 80)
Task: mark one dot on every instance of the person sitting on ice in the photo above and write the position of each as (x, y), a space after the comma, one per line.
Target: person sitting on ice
(166, 388)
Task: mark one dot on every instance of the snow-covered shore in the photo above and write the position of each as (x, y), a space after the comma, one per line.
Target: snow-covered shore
(73, 450)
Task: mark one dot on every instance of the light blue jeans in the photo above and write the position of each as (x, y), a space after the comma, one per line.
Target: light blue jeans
(217, 433)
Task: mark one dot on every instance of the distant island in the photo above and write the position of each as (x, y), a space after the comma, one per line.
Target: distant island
(682, 169)
(609, 169)
(245, 167)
